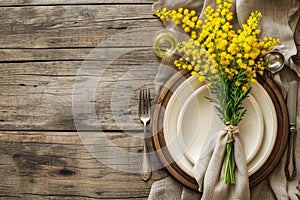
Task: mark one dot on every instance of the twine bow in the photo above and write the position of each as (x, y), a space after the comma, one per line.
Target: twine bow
(231, 131)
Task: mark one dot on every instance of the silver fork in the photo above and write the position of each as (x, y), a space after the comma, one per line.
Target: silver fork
(144, 114)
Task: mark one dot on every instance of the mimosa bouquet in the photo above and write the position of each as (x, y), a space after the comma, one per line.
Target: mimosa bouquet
(227, 60)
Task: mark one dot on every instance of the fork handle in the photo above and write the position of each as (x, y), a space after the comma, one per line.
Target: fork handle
(145, 169)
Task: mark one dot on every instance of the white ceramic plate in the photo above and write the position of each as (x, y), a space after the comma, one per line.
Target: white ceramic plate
(198, 123)
(180, 96)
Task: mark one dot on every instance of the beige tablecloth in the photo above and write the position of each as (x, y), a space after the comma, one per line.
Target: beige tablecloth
(280, 18)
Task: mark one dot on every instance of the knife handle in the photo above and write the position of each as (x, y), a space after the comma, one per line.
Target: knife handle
(290, 165)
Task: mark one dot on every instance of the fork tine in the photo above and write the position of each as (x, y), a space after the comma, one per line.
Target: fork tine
(140, 103)
(148, 102)
(145, 101)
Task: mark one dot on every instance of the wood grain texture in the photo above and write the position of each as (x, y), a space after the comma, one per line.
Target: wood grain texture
(69, 2)
(71, 25)
(43, 44)
(38, 95)
(34, 18)
(56, 165)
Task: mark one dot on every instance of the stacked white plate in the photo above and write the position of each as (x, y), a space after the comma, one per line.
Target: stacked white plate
(190, 123)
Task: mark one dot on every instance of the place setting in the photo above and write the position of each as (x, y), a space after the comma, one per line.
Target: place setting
(173, 119)
(223, 121)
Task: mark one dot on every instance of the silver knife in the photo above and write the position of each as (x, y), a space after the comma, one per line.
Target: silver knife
(291, 102)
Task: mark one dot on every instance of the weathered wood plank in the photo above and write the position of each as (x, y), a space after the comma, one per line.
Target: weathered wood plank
(76, 54)
(31, 55)
(38, 95)
(71, 26)
(73, 38)
(69, 2)
(56, 165)
(34, 18)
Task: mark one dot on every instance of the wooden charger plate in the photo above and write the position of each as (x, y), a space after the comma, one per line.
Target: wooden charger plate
(160, 143)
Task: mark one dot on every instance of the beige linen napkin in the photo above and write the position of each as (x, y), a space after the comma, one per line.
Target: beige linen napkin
(209, 167)
(279, 20)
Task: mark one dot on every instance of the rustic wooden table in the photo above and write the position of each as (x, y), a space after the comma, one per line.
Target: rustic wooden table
(43, 44)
